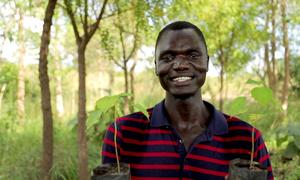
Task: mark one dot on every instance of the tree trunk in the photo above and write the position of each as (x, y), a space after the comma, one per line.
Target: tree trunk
(266, 55)
(273, 47)
(126, 100)
(132, 97)
(284, 98)
(222, 63)
(2, 90)
(58, 88)
(81, 135)
(221, 85)
(45, 93)
(21, 72)
(111, 80)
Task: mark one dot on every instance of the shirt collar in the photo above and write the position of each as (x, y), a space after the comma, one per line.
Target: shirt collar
(218, 123)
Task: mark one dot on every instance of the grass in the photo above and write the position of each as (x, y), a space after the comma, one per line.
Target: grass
(21, 152)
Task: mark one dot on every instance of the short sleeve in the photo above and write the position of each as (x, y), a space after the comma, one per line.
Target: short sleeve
(261, 154)
(109, 146)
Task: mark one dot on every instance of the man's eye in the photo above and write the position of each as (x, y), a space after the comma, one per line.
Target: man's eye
(168, 57)
(194, 56)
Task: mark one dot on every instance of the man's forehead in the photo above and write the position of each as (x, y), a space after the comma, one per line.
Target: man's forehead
(170, 37)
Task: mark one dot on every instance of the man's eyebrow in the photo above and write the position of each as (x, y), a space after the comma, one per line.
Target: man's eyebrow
(167, 52)
(190, 50)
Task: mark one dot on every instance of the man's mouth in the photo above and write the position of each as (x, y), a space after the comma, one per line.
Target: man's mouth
(182, 79)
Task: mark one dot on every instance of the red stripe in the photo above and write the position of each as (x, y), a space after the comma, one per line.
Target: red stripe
(259, 148)
(132, 120)
(241, 128)
(150, 154)
(221, 150)
(158, 131)
(269, 168)
(112, 130)
(265, 157)
(236, 138)
(155, 166)
(137, 142)
(133, 129)
(147, 131)
(153, 178)
(109, 142)
(207, 159)
(205, 171)
(258, 135)
(232, 118)
(108, 154)
(149, 143)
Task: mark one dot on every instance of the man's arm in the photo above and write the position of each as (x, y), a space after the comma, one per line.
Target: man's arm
(261, 154)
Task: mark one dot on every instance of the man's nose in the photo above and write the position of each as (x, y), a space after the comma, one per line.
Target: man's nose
(181, 63)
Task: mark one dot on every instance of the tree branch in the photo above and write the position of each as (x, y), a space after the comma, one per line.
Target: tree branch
(73, 21)
(117, 13)
(85, 20)
(94, 26)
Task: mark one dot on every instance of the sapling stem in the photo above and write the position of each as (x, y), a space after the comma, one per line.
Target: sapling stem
(116, 147)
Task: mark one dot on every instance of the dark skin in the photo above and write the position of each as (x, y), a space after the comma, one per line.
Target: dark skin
(181, 65)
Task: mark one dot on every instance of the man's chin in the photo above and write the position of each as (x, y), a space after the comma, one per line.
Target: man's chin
(183, 95)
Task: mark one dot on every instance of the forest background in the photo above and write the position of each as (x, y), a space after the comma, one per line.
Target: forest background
(57, 99)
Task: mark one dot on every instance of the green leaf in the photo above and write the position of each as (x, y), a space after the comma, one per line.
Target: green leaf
(293, 129)
(141, 108)
(238, 106)
(251, 81)
(108, 102)
(93, 118)
(262, 95)
(291, 151)
(281, 140)
(297, 141)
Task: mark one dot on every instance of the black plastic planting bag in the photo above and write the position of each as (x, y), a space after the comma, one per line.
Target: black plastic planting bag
(110, 172)
(239, 169)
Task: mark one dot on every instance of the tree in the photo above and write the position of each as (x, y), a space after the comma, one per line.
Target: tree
(87, 12)
(47, 160)
(285, 94)
(121, 42)
(57, 58)
(273, 80)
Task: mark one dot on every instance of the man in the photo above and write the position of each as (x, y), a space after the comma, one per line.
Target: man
(183, 137)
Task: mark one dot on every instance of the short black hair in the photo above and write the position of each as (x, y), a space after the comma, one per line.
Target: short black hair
(180, 25)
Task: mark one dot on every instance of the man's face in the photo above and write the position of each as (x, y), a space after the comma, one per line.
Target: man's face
(181, 62)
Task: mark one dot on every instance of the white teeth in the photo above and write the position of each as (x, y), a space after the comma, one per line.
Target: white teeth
(181, 79)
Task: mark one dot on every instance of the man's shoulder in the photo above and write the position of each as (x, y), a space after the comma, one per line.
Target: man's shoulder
(237, 124)
(136, 118)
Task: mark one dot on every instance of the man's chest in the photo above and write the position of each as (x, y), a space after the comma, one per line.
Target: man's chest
(164, 155)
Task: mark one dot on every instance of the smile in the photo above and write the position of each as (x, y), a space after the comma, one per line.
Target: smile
(182, 79)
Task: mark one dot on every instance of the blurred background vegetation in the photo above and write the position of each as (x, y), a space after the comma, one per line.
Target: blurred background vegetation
(254, 74)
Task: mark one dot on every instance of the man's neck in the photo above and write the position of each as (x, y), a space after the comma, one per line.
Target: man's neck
(186, 112)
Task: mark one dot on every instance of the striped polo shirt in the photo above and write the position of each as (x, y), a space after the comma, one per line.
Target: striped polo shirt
(154, 150)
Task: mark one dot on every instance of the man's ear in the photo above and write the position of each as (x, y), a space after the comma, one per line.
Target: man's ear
(155, 67)
(207, 62)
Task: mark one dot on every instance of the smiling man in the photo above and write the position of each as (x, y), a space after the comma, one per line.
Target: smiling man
(184, 137)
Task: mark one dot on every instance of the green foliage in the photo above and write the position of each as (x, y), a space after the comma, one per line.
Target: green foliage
(107, 109)
(8, 79)
(262, 95)
(238, 106)
(21, 150)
